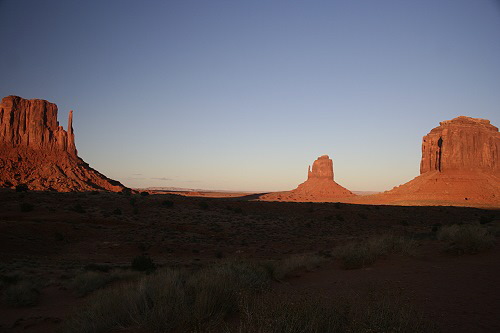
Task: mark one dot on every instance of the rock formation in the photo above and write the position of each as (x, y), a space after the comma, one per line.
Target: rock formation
(462, 144)
(460, 165)
(36, 151)
(319, 185)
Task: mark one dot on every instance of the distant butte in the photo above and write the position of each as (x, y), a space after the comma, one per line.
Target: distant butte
(460, 165)
(319, 186)
(36, 151)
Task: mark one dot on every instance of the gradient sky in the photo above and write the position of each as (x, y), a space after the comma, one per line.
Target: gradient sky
(244, 95)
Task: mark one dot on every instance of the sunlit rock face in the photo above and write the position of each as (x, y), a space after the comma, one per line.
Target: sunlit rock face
(459, 165)
(36, 151)
(463, 143)
(319, 185)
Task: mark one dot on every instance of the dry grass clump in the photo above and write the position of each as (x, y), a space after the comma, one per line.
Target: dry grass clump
(383, 311)
(89, 281)
(291, 313)
(22, 294)
(374, 312)
(364, 253)
(294, 264)
(466, 238)
(234, 297)
(172, 300)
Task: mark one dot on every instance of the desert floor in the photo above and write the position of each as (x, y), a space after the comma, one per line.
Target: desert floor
(51, 238)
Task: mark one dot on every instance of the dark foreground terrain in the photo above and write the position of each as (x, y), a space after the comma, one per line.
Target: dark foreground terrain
(107, 262)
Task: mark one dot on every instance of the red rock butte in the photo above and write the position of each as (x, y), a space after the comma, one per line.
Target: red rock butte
(319, 186)
(460, 165)
(36, 151)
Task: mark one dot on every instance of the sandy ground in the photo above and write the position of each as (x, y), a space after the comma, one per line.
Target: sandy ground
(61, 233)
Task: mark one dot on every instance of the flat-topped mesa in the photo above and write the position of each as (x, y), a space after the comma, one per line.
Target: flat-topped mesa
(322, 168)
(33, 123)
(462, 144)
(37, 152)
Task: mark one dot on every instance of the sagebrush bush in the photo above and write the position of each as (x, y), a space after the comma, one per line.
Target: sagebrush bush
(466, 238)
(291, 265)
(277, 312)
(89, 281)
(26, 207)
(21, 294)
(360, 254)
(143, 263)
(174, 300)
(373, 312)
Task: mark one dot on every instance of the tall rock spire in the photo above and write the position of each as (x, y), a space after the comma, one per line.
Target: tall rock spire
(71, 135)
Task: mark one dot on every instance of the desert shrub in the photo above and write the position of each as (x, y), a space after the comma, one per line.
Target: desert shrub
(22, 188)
(291, 313)
(58, 237)
(144, 194)
(383, 311)
(485, 219)
(87, 282)
(203, 205)
(372, 312)
(219, 254)
(171, 300)
(78, 208)
(10, 278)
(293, 264)
(466, 238)
(360, 254)
(104, 310)
(162, 303)
(26, 207)
(97, 267)
(167, 203)
(24, 293)
(117, 211)
(143, 263)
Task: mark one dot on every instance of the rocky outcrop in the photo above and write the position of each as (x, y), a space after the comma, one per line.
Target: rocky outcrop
(36, 151)
(462, 143)
(33, 123)
(319, 185)
(322, 168)
(460, 165)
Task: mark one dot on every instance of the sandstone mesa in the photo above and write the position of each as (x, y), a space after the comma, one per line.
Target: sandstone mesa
(460, 165)
(36, 151)
(318, 187)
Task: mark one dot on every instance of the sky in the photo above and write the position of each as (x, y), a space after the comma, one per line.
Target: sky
(244, 95)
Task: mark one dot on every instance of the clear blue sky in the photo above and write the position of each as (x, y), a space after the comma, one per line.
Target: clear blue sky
(244, 95)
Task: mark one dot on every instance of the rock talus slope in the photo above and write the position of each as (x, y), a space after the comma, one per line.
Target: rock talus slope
(36, 151)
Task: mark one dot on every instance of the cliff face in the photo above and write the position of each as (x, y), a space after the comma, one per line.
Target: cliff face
(33, 123)
(322, 168)
(36, 151)
(460, 165)
(463, 143)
